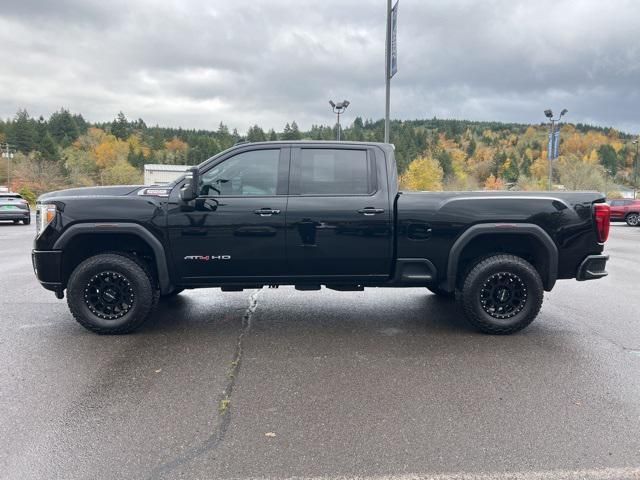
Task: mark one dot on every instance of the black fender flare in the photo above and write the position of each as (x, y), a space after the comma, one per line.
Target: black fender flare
(503, 228)
(119, 227)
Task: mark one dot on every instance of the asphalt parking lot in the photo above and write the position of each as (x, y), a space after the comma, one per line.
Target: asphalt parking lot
(386, 383)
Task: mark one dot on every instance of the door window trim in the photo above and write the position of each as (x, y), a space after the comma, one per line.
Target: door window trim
(284, 164)
(295, 171)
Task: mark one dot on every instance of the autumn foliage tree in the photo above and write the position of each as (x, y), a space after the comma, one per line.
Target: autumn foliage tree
(424, 173)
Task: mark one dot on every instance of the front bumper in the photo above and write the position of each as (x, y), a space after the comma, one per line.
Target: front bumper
(47, 266)
(593, 267)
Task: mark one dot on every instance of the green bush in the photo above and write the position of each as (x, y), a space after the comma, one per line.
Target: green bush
(28, 195)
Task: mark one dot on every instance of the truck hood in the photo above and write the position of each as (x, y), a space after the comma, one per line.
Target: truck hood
(111, 191)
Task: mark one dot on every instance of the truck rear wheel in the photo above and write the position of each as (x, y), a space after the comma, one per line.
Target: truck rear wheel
(502, 294)
(110, 294)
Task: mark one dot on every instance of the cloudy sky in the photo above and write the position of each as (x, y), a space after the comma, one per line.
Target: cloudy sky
(193, 63)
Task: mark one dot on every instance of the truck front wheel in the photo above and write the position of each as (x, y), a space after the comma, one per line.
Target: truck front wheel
(502, 294)
(110, 294)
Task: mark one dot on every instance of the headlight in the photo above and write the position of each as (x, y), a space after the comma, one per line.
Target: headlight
(45, 214)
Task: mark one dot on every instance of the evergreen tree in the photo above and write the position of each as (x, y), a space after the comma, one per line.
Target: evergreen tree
(120, 127)
(444, 158)
(273, 136)
(63, 128)
(286, 134)
(608, 158)
(295, 132)
(23, 132)
(471, 148)
(511, 172)
(256, 134)
(48, 148)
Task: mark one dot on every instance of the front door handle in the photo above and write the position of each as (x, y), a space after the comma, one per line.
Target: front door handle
(369, 211)
(266, 212)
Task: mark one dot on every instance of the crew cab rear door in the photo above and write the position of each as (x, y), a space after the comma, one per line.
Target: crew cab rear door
(339, 213)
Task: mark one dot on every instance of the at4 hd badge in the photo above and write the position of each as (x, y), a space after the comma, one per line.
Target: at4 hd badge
(207, 258)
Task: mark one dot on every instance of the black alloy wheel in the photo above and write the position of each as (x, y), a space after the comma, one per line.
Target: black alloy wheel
(109, 295)
(502, 294)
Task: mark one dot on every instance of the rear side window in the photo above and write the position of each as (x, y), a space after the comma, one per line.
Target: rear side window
(616, 203)
(325, 171)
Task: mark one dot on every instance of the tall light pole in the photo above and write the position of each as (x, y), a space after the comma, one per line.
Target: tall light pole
(8, 152)
(635, 171)
(554, 140)
(338, 109)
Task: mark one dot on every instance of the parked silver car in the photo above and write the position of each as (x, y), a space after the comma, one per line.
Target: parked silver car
(14, 207)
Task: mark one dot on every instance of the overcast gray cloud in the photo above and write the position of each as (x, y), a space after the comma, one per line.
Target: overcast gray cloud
(196, 63)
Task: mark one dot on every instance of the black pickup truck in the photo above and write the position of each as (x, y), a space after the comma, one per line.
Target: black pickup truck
(310, 214)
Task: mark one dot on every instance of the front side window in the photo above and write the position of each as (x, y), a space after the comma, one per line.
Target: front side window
(253, 173)
(326, 171)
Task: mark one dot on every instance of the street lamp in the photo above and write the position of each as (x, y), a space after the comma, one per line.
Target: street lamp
(338, 109)
(635, 170)
(8, 152)
(552, 130)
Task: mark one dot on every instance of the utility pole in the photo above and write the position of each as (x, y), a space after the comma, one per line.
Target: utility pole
(8, 152)
(635, 170)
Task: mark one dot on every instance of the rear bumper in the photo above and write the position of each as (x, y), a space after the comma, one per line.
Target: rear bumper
(15, 215)
(47, 265)
(593, 267)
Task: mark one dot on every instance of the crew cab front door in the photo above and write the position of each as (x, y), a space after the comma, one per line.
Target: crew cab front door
(234, 230)
(339, 214)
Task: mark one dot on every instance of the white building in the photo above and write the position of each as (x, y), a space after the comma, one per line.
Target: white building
(156, 174)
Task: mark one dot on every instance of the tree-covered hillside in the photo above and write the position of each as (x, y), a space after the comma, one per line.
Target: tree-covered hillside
(66, 150)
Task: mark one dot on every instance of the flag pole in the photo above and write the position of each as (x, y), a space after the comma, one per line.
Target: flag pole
(387, 73)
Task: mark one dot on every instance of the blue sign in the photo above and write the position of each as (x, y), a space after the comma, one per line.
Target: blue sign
(556, 143)
(553, 148)
(394, 44)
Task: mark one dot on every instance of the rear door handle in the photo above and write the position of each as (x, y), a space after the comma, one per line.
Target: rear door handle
(266, 212)
(369, 211)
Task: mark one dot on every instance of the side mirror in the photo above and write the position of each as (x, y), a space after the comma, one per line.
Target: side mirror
(189, 190)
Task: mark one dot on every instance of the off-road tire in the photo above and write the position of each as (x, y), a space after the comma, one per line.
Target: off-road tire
(442, 293)
(136, 278)
(27, 221)
(632, 219)
(487, 277)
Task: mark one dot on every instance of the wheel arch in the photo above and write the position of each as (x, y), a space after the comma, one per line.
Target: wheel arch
(132, 235)
(530, 241)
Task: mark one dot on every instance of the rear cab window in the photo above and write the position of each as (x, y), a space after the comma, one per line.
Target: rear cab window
(331, 171)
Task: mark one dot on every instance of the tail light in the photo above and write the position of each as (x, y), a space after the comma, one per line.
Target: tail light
(603, 216)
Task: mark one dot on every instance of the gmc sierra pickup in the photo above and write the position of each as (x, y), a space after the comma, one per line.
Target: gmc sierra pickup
(310, 214)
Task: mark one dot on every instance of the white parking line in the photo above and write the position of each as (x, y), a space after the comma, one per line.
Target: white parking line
(589, 474)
